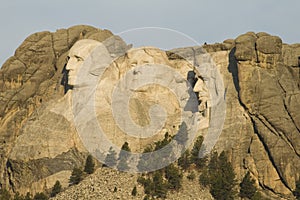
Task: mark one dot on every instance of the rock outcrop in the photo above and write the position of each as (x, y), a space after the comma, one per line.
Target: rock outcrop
(39, 144)
(261, 129)
(269, 91)
(261, 78)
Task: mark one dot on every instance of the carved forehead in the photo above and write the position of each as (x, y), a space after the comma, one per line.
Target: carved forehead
(83, 48)
(147, 55)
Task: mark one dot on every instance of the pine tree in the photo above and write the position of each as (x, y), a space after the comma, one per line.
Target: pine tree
(76, 176)
(134, 191)
(204, 178)
(40, 196)
(156, 186)
(145, 159)
(147, 183)
(112, 155)
(160, 144)
(56, 189)
(248, 188)
(222, 178)
(173, 176)
(28, 196)
(160, 187)
(191, 176)
(111, 158)
(181, 138)
(199, 162)
(184, 161)
(125, 147)
(89, 165)
(4, 194)
(297, 190)
(213, 165)
(18, 196)
(124, 157)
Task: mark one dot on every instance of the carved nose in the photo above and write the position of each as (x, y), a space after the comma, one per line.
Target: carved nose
(70, 64)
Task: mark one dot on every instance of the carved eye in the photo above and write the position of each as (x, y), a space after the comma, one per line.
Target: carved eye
(79, 58)
(68, 58)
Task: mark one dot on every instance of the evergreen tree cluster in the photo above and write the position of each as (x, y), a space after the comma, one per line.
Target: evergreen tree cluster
(199, 162)
(157, 184)
(120, 161)
(247, 186)
(149, 159)
(77, 173)
(220, 177)
(192, 157)
(162, 143)
(5, 195)
(154, 185)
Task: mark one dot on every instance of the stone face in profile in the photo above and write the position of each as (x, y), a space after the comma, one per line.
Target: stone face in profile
(33, 135)
(77, 55)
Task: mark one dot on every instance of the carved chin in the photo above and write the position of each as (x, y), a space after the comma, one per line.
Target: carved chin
(71, 80)
(71, 83)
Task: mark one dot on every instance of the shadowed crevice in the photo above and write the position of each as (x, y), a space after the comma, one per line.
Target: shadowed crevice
(233, 69)
(65, 79)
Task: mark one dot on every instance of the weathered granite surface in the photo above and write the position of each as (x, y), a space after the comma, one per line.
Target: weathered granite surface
(261, 79)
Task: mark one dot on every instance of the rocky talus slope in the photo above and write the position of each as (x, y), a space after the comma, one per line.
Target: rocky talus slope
(39, 142)
(102, 184)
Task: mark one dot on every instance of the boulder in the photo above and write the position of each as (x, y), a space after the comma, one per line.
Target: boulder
(245, 47)
(269, 44)
(291, 54)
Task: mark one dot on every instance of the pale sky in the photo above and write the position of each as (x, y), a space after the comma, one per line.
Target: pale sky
(208, 21)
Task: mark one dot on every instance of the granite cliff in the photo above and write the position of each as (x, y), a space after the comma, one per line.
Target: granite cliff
(261, 76)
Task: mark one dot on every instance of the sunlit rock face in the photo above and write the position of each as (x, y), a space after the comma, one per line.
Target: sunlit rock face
(269, 92)
(39, 141)
(150, 80)
(129, 68)
(261, 80)
(79, 52)
(39, 144)
(43, 146)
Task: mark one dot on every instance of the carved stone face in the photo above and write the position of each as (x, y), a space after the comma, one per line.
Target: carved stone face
(79, 52)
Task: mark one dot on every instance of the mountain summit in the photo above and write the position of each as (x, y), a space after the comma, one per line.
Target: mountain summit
(258, 82)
